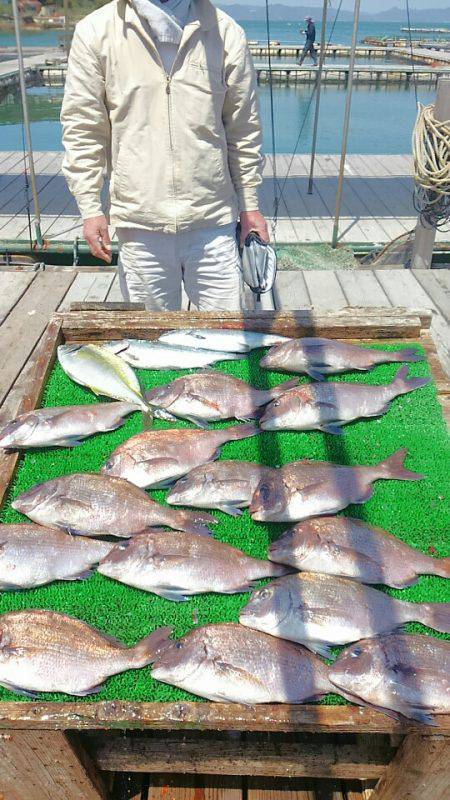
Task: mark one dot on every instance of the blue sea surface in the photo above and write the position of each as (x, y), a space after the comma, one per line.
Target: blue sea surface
(381, 121)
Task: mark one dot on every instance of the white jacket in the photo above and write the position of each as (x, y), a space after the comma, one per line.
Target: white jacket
(182, 150)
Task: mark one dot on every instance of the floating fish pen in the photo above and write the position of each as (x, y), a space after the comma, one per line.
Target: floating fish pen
(331, 50)
(138, 724)
(375, 75)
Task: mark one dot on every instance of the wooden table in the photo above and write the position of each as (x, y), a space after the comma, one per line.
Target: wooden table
(70, 750)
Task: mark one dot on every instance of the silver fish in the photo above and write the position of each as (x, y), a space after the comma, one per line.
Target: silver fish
(212, 396)
(175, 565)
(31, 555)
(63, 426)
(43, 651)
(225, 339)
(229, 663)
(307, 489)
(145, 354)
(322, 611)
(352, 548)
(100, 505)
(405, 673)
(327, 406)
(102, 371)
(318, 357)
(226, 485)
(155, 458)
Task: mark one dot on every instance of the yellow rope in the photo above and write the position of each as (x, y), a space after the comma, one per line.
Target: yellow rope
(431, 153)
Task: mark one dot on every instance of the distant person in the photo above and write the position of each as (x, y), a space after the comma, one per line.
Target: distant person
(310, 32)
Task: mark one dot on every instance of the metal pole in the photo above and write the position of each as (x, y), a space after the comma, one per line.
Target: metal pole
(348, 104)
(323, 44)
(26, 122)
(425, 235)
(66, 26)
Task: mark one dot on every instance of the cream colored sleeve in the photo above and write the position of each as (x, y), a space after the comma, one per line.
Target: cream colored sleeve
(243, 125)
(86, 127)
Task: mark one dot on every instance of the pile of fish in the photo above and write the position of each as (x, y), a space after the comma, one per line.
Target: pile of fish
(318, 597)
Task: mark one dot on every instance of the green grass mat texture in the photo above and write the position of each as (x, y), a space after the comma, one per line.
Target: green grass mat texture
(417, 512)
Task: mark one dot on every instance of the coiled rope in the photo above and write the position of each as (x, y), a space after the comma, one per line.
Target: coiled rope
(431, 154)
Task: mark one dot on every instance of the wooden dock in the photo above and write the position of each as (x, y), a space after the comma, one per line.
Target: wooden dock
(423, 55)
(377, 203)
(363, 73)
(331, 50)
(35, 65)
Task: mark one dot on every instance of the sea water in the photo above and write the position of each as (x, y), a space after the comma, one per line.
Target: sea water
(381, 122)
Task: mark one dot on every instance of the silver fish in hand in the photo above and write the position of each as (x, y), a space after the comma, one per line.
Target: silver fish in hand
(327, 406)
(176, 565)
(318, 357)
(44, 651)
(229, 663)
(320, 611)
(63, 426)
(155, 458)
(99, 505)
(351, 548)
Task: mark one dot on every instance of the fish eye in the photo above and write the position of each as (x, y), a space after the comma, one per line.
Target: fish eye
(356, 652)
(264, 594)
(179, 645)
(264, 491)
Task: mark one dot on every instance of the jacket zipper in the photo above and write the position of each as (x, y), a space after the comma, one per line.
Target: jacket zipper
(169, 117)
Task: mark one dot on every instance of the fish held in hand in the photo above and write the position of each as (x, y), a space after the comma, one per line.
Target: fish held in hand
(44, 651)
(31, 555)
(63, 426)
(144, 354)
(225, 339)
(226, 485)
(175, 565)
(408, 674)
(318, 357)
(101, 371)
(154, 458)
(212, 396)
(101, 505)
(354, 549)
(320, 611)
(229, 663)
(327, 406)
(311, 488)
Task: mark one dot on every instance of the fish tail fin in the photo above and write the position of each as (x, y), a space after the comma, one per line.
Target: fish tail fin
(147, 650)
(242, 431)
(147, 419)
(195, 522)
(281, 388)
(441, 567)
(408, 354)
(434, 615)
(274, 570)
(402, 384)
(392, 467)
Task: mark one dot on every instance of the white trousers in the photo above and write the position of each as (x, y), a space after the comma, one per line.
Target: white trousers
(152, 267)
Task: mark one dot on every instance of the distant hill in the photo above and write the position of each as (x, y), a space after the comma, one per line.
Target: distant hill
(291, 12)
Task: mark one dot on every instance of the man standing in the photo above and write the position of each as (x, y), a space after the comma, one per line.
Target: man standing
(162, 97)
(310, 32)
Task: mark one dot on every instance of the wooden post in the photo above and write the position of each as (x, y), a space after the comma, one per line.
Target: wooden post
(425, 234)
(420, 770)
(46, 765)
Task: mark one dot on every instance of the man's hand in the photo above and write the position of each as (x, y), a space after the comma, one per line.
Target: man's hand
(95, 230)
(253, 221)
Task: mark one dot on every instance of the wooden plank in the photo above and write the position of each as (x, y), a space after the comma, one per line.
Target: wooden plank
(78, 290)
(129, 786)
(436, 283)
(303, 789)
(362, 288)
(191, 715)
(194, 787)
(324, 290)
(46, 765)
(219, 754)
(420, 770)
(114, 294)
(357, 323)
(26, 322)
(290, 291)
(12, 286)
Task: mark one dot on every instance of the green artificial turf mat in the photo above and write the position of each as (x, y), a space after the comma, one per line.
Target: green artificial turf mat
(418, 512)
